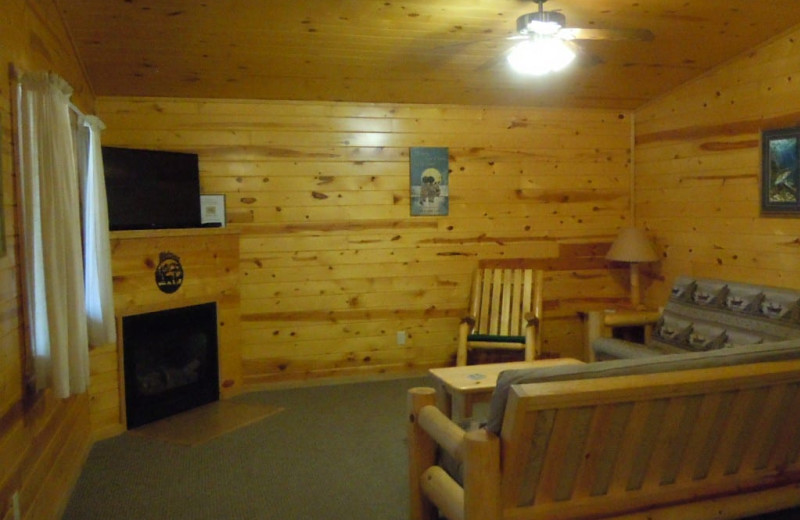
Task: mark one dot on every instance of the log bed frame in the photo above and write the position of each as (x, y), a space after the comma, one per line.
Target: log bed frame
(718, 443)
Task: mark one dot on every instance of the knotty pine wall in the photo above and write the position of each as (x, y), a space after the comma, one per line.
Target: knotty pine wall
(698, 163)
(332, 265)
(42, 444)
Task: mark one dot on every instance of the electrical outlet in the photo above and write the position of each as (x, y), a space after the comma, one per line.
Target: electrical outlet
(17, 514)
(401, 337)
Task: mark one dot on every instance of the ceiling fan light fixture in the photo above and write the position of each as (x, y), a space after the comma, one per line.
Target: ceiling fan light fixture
(540, 55)
(542, 27)
(542, 23)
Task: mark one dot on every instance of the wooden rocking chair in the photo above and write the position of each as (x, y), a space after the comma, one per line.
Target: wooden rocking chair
(505, 313)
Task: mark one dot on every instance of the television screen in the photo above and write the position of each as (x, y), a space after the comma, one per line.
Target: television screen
(151, 189)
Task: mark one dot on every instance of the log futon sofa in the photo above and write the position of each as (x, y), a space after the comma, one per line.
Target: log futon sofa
(704, 314)
(690, 436)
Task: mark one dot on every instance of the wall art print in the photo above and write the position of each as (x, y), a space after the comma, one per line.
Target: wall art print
(780, 171)
(429, 180)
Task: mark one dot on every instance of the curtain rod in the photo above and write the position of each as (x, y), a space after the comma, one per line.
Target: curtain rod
(15, 73)
(76, 109)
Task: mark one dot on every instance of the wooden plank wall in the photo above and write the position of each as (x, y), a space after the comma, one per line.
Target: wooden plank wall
(42, 444)
(332, 265)
(697, 186)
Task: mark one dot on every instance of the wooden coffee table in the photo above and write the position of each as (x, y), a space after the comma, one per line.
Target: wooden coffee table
(459, 388)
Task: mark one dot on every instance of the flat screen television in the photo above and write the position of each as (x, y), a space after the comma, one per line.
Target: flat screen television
(151, 189)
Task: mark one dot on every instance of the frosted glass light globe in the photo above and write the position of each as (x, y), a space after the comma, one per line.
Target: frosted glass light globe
(540, 55)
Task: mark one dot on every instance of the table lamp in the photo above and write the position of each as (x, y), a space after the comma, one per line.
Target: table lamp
(633, 246)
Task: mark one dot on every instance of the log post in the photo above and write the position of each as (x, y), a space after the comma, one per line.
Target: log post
(421, 453)
(464, 329)
(482, 476)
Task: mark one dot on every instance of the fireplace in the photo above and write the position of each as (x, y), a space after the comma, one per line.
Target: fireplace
(170, 362)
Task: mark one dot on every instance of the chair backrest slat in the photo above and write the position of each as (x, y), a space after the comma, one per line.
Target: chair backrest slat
(531, 292)
(517, 312)
(485, 298)
(504, 319)
(476, 295)
(494, 305)
(502, 298)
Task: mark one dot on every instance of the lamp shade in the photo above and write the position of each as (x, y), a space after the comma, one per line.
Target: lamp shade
(632, 245)
(540, 55)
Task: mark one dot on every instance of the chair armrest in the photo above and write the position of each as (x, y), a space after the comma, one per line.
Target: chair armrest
(442, 430)
(464, 329)
(630, 318)
(531, 319)
(429, 425)
(431, 487)
(612, 348)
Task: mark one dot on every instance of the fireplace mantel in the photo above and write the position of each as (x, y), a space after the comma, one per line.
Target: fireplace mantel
(209, 260)
(150, 233)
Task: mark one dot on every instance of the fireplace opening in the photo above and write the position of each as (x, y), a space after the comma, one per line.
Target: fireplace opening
(170, 362)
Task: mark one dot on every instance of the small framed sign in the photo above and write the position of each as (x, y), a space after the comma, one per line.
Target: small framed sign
(780, 171)
(212, 210)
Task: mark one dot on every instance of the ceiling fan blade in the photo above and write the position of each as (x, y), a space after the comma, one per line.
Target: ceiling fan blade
(494, 62)
(459, 45)
(606, 34)
(586, 59)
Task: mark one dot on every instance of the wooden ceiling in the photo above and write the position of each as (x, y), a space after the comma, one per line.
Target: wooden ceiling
(403, 51)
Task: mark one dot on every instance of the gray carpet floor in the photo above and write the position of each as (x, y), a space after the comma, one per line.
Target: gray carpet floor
(335, 452)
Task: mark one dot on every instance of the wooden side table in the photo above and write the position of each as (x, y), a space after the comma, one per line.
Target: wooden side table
(459, 388)
(602, 322)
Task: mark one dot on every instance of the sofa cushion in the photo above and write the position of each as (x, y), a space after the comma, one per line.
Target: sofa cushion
(780, 304)
(682, 289)
(606, 349)
(778, 351)
(706, 336)
(672, 329)
(772, 311)
(710, 293)
(737, 338)
(744, 298)
(696, 335)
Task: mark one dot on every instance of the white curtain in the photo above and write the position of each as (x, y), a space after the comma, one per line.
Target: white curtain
(96, 244)
(51, 235)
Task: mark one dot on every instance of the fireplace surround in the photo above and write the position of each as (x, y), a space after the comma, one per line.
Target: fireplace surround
(209, 259)
(170, 362)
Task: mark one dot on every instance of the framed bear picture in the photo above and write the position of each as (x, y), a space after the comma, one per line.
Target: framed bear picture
(429, 181)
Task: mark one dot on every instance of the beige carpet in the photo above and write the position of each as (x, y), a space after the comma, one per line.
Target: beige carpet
(206, 422)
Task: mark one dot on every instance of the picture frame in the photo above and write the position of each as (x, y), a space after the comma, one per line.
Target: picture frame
(212, 210)
(780, 171)
(429, 170)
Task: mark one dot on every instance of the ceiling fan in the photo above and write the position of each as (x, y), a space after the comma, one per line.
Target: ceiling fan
(547, 44)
